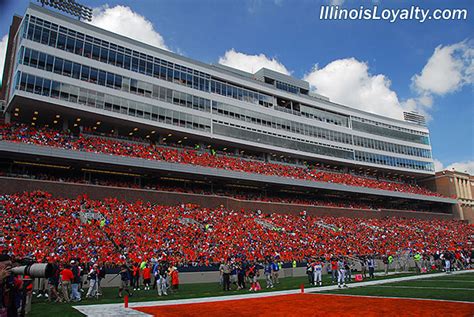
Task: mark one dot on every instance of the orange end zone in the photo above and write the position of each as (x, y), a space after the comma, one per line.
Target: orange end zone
(315, 305)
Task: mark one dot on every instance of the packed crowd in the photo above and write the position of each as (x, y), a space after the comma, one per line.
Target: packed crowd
(43, 227)
(48, 137)
(240, 195)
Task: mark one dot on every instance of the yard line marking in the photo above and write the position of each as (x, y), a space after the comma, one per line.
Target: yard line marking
(405, 298)
(424, 287)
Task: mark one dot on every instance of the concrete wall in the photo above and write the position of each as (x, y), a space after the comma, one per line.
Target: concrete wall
(71, 190)
(213, 276)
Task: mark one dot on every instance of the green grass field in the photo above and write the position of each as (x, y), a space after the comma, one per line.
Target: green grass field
(449, 287)
(42, 308)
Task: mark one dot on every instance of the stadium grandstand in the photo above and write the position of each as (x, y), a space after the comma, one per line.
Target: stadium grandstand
(85, 104)
(113, 151)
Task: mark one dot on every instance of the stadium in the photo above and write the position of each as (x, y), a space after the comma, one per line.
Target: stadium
(188, 188)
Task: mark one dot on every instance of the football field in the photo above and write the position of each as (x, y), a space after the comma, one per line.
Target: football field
(423, 295)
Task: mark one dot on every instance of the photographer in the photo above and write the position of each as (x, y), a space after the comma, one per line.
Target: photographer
(10, 288)
(93, 277)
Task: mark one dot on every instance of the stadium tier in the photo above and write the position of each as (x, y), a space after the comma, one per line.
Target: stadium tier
(87, 103)
(112, 230)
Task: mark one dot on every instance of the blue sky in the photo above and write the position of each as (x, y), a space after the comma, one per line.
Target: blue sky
(365, 64)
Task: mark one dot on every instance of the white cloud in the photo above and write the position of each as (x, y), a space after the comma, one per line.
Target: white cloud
(336, 2)
(349, 82)
(251, 63)
(3, 52)
(447, 70)
(465, 166)
(122, 20)
(438, 165)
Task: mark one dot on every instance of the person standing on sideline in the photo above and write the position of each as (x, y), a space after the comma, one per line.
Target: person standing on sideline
(102, 274)
(417, 258)
(174, 279)
(135, 276)
(363, 266)
(76, 295)
(162, 276)
(240, 275)
(225, 271)
(390, 261)
(268, 274)
(66, 279)
(447, 262)
(93, 281)
(125, 277)
(371, 265)
(318, 271)
(309, 272)
(385, 264)
(333, 270)
(155, 273)
(146, 276)
(341, 273)
(275, 272)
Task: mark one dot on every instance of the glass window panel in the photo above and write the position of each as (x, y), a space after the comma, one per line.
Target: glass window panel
(67, 70)
(88, 50)
(58, 65)
(76, 70)
(85, 73)
(79, 47)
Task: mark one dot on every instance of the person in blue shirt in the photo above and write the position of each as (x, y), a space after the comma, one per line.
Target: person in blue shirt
(275, 272)
(154, 272)
(267, 270)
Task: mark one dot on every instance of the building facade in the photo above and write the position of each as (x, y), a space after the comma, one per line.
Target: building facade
(61, 65)
(456, 184)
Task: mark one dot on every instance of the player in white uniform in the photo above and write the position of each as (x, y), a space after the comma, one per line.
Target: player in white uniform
(341, 273)
(318, 270)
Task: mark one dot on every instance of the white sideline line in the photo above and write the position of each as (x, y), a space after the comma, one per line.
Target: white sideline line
(451, 281)
(106, 310)
(424, 287)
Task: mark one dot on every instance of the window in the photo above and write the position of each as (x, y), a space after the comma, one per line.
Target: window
(126, 62)
(42, 61)
(94, 75)
(67, 70)
(34, 58)
(102, 77)
(70, 44)
(104, 55)
(134, 64)
(95, 52)
(88, 50)
(76, 70)
(46, 87)
(38, 85)
(45, 37)
(53, 37)
(49, 63)
(110, 80)
(56, 86)
(58, 65)
(79, 47)
(85, 73)
(61, 41)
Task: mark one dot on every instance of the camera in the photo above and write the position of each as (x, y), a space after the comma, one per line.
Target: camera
(34, 270)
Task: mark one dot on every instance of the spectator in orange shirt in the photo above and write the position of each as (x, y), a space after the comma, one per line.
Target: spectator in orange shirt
(147, 277)
(66, 278)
